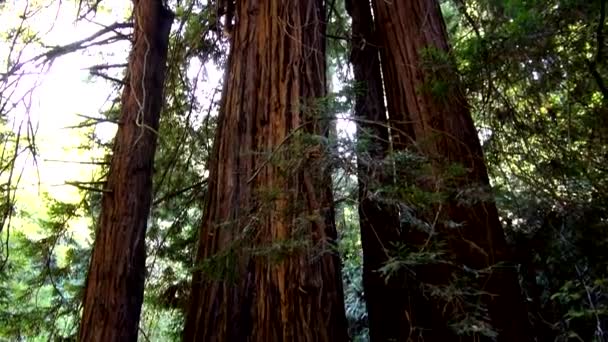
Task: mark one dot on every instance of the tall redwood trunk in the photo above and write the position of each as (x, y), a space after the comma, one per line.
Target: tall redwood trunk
(377, 218)
(115, 282)
(266, 268)
(438, 125)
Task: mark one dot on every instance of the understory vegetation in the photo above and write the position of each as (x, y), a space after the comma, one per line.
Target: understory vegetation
(535, 78)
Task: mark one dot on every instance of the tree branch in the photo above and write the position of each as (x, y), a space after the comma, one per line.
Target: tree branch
(598, 78)
(80, 186)
(98, 119)
(599, 56)
(107, 78)
(77, 162)
(57, 51)
(105, 66)
(179, 192)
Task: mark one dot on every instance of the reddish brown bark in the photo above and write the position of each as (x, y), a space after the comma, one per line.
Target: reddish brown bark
(115, 281)
(377, 218)
(440, 127)
(265, 268)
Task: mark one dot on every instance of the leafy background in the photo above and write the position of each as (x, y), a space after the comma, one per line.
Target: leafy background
(535, 75)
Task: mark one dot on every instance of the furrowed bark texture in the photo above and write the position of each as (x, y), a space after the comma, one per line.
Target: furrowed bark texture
(441, 129)
(265, 270)
(378, 219)
(115, 281)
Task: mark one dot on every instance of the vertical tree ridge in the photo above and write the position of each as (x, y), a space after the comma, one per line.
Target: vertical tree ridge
(265, 267)
(115, 282)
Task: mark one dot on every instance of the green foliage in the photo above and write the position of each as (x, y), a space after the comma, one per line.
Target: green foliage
(535, 75)
(442, 81)
(352, 272)
(405, 257)
(43, 283)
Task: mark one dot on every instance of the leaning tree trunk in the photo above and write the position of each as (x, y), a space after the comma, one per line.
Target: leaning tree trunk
(115, 282)
(266, 268)
(429, 117)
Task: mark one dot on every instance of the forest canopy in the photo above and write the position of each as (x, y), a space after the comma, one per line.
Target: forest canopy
(303, 170)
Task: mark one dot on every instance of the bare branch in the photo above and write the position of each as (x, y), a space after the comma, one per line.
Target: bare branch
(87, 188)
(77, 162)
(599, 56)
(57, 51)
(179, 192)
(105, 66)
(97, 119)
(108, 78)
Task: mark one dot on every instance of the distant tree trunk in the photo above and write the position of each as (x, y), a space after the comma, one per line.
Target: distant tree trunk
(266, 269)
(115, 282)
(429, 115)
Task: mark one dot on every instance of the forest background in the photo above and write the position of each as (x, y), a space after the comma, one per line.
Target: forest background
(534, 75)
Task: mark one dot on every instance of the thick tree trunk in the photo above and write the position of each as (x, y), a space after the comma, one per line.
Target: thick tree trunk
(438, 125)
(115, 282)
(266, 268)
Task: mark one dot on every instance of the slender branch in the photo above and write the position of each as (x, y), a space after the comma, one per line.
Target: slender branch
(57, 51)
(273, 152)
(108, 78)
(598, 78)
(77, 162)
(98, 119)
(599, 331)
(179, 192)
(92, 8)
(332, 9)
(87, 188)
(63, 49)
(106, 66)
(143, 333)
(337, 37)
(599, 56)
